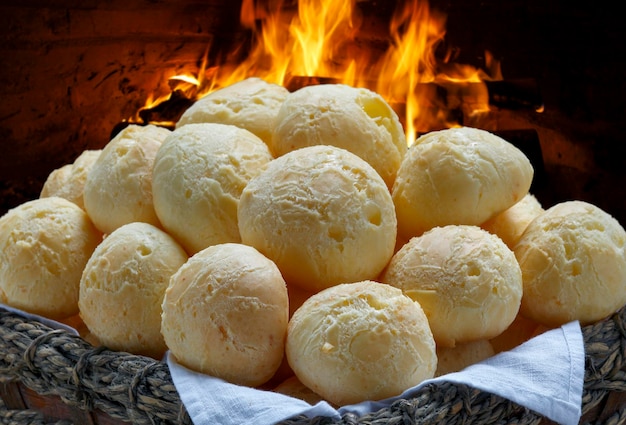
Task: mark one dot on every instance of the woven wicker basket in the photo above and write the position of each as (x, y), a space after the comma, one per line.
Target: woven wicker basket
(50, 376)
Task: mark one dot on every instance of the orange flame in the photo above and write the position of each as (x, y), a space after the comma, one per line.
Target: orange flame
(318, 40)
(410, 62)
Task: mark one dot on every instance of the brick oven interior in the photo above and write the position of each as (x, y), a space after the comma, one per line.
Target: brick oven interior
(73, 70)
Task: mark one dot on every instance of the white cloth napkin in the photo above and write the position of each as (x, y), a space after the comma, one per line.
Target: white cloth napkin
(545, 375)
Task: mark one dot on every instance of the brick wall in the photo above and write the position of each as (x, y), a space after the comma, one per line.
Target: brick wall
(72, 69)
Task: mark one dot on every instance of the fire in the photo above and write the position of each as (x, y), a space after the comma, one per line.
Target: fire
(307, 43)
(316, 42)
(410, 62)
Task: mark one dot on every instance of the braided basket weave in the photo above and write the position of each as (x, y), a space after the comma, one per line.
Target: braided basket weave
(50, 376)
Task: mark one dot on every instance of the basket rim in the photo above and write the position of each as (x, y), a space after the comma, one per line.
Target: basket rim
(135, 388)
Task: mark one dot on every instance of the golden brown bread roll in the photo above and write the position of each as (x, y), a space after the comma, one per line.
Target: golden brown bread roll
(118, 188)
(69, 181)
(356, 119)
(44, 246)
(518, 332)
(225, 314)
(294, 388)
(199, 173)
(122, 288)
(458, 176)
(454, 359)
(573, 261)
(467, 281)
(511, 223)
(251, 104)
(360, 341)
(322, 214)
(56, 182)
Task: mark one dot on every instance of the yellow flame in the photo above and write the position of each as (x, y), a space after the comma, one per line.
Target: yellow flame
(186, 78)
(315, 41)
(410, 62)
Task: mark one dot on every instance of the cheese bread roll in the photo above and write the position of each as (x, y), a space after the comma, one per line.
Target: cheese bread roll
(458, 176)
(356, 119)
(225, 314)
(360, 341)
(44, 246)
(573, 261)
(322, 214)
(467, 281)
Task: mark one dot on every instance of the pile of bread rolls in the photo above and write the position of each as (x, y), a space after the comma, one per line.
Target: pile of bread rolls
(292, 241)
